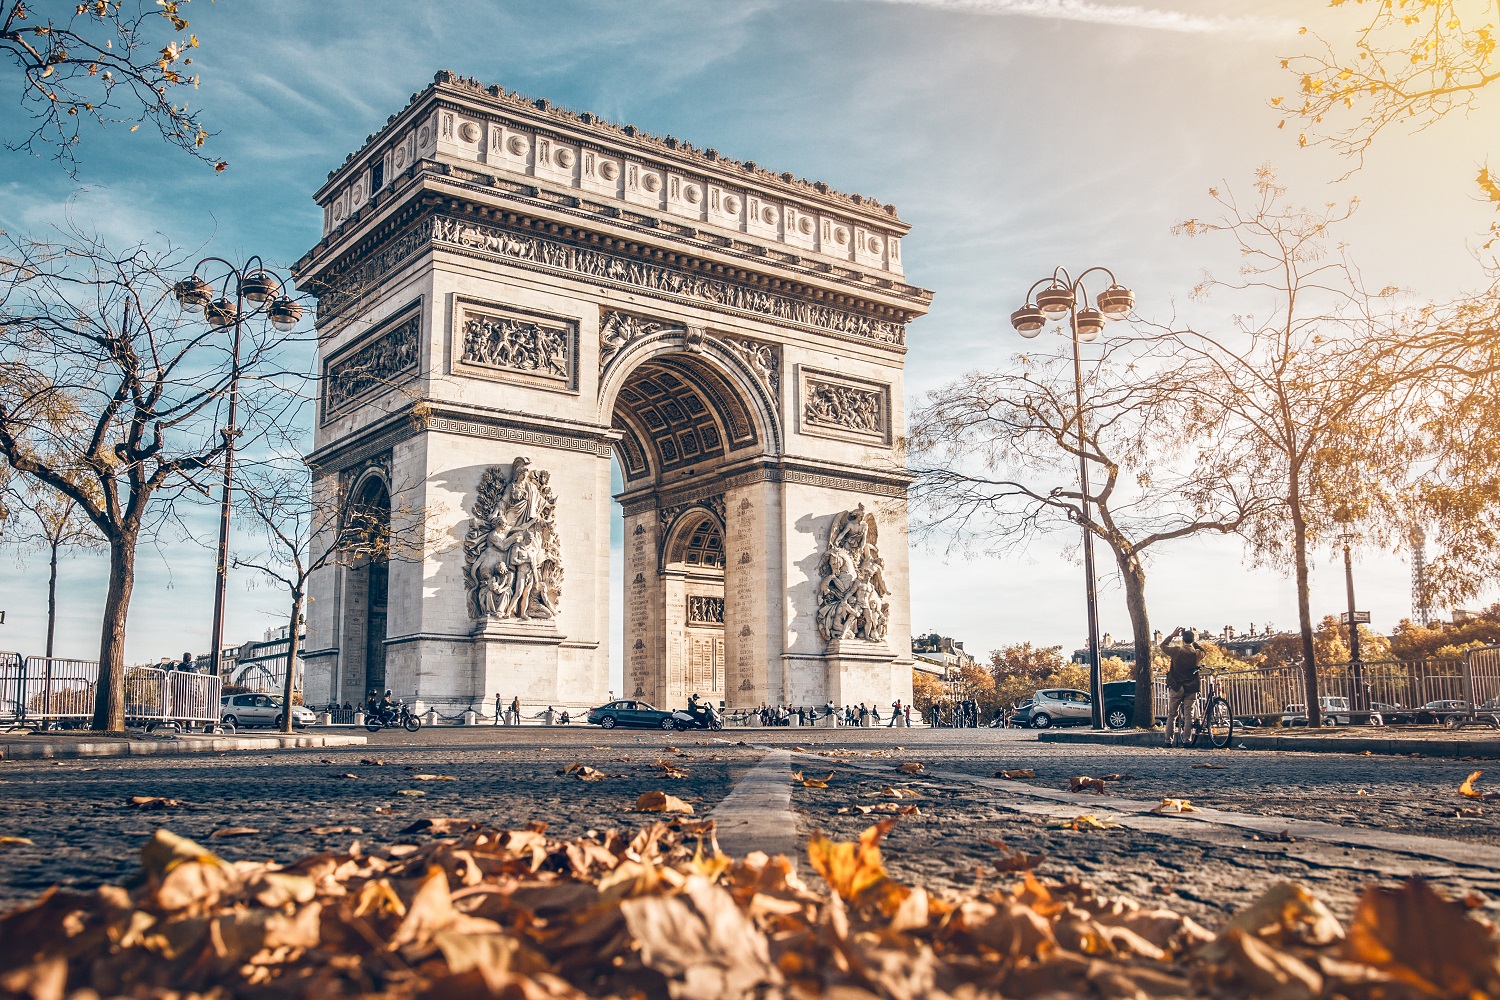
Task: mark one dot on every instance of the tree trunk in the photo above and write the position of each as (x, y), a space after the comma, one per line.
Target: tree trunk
(1304, 610)
(109, 694)
(1133, 576)
(291, 662)
(52, 598)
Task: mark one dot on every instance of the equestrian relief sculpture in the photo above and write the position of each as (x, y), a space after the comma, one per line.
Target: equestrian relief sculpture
(852, 595)
(512, 561)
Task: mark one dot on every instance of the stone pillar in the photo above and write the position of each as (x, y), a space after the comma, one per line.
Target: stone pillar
(754, 596)
(644, 655)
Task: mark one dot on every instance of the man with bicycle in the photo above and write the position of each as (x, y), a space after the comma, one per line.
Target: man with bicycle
(1186, 655)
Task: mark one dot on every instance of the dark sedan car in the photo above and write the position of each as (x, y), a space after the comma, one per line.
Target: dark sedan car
(632, 714)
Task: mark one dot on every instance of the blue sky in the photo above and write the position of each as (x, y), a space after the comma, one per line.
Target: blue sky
(1014, 135)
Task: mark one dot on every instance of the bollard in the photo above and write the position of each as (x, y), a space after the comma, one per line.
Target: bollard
(430, 719)
(471, 718)
(325, 718)
(828, 722)
(359, 718)
(900, 721)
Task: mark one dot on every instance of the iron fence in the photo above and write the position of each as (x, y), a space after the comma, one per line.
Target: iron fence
(1396, 690)
(54, 689)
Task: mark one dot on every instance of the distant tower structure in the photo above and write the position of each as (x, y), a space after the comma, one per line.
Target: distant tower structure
(1421, 606)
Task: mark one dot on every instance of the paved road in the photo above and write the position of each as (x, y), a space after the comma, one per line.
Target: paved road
(303, 801)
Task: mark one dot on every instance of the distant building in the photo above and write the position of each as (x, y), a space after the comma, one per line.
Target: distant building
(939, 655)
(1243, 645)
(261, 666)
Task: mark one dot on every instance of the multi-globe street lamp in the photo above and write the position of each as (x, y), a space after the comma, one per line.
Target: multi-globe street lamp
(256, 285)
(1063, 296)
(1347, 538)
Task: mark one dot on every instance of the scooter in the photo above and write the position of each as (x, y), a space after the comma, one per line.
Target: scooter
(704, 717)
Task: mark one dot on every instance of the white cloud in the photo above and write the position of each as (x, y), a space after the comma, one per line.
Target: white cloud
(1090, 12)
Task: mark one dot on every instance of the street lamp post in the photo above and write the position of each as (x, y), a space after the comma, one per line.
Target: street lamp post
(1357, 667)
(255, 284)
(1064, 296)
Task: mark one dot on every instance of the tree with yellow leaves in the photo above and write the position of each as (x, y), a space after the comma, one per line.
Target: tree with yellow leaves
(109, 61)
(1409, 62)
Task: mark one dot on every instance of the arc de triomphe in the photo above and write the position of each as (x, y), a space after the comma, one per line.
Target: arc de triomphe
(511, 297)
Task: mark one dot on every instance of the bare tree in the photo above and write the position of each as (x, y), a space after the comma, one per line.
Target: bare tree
(103, 60)
(50, 522)
(996, 455)
(112, 398)
(307, 525)
(1305, 395)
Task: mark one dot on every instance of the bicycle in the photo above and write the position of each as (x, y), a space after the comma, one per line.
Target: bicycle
(1209, 716)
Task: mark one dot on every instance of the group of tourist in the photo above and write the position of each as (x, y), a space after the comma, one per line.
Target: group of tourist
(962, 714)
(859, 716)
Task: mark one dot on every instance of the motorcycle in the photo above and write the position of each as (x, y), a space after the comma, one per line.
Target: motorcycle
(393, 716)
(704, 717)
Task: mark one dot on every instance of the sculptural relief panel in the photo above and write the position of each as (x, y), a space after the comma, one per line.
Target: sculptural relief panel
(381, 361)
(494, 341)
(852, 592)
(512, 555)
(838, 406)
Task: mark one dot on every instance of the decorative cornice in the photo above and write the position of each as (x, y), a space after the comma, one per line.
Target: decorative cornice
(666, 146)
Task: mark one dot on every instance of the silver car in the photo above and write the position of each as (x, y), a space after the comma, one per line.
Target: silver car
(241, 710)
(1059, 707)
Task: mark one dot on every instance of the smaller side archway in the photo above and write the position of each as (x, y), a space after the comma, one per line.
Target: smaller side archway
(365, 533)
(691, 586)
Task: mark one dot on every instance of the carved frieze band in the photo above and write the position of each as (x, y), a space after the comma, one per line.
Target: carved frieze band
(835, 406)
(499, 341)
(705, 610)
(379, 363)
(605, 267)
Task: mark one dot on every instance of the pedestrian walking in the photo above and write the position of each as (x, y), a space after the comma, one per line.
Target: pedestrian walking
(499, 710)
(1186, 655)
(875, 714)
(515, 711)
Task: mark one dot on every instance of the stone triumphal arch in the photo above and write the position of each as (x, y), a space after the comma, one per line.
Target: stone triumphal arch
(511, 298)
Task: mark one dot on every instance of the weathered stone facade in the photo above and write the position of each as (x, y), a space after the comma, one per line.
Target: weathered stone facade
(510, 297)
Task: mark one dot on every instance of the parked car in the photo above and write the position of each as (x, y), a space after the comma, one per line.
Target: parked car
(242, 710)
(1441, 710)
(630, 714)
(1334, 710)
(1055, 707)
(1392, 713)
(1119, 703)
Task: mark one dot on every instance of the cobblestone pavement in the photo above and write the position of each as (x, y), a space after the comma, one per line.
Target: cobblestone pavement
(303, 801)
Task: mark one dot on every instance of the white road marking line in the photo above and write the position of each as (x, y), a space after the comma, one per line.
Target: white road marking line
(757, 814)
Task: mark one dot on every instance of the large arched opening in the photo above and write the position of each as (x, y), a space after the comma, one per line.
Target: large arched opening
(693, 421)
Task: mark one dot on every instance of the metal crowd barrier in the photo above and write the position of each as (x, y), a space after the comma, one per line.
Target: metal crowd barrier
(56, 689)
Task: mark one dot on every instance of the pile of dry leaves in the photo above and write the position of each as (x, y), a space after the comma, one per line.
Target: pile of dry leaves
(465, 911)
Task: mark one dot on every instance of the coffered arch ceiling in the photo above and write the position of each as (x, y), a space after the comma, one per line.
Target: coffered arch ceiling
(697, 543)
(676, 413)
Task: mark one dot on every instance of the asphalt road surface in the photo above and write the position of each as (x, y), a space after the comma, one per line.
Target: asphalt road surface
(1335, 822)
